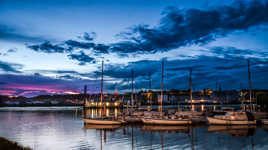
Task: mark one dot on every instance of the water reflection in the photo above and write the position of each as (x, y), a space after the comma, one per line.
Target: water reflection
(96, 113)
(63, 128)
(235, 131)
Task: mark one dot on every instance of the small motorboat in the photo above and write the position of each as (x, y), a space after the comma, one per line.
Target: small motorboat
(233, 118)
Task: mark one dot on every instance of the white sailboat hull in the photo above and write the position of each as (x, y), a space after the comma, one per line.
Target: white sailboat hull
(166, 122)
(103, 122)
(216, 121)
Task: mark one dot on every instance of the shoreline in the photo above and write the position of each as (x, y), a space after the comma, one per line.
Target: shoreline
(6, 144)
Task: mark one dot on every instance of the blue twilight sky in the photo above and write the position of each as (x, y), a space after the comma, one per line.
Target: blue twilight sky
(56, 46)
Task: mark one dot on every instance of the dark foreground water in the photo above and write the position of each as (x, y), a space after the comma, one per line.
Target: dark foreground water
(62, 128)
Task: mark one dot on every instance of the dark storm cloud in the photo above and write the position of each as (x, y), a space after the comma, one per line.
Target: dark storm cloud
(82, 58)
(193, 26)
(124, 71)
(10, 67)
(97, 48)
(76, 44)
(47, 47)
(70, 46)
(182, 27)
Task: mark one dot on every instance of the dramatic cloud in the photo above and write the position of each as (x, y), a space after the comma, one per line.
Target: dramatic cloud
(47, 47)
(226, 68)
(10, 67)
(82, 58)
(64, 74)
(193, 26)
(222, 66)
(177, 28)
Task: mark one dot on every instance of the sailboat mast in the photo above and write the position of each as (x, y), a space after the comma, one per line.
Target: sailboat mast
(150, 82)
(162, 84)
(132, 87)
(85, 94)
(191, 86)
(149, 90)
(249, 83)
(101, 96)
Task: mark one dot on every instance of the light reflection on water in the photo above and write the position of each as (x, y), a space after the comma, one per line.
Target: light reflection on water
(62, 128)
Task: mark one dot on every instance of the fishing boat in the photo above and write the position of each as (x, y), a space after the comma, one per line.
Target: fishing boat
(233, 118)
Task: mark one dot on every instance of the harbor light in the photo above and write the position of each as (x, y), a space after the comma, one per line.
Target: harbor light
(116, 104)
(202, 107)
(107, 104)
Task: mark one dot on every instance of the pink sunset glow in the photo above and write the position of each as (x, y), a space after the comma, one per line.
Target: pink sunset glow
(35, 89)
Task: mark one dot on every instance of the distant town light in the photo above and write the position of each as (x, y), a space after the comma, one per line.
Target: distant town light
(71, 92)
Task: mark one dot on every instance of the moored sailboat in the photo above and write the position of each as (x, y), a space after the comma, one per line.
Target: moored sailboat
(104, 120)
(161, 118)
(233, 118)
(168, 121)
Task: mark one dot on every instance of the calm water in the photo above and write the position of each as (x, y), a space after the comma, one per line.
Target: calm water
(62, 129)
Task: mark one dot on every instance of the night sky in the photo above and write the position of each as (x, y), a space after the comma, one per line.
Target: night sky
(57, 46)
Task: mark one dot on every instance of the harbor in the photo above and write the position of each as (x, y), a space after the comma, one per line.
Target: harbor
(133, 75)
(134, 113)
(63, 128)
